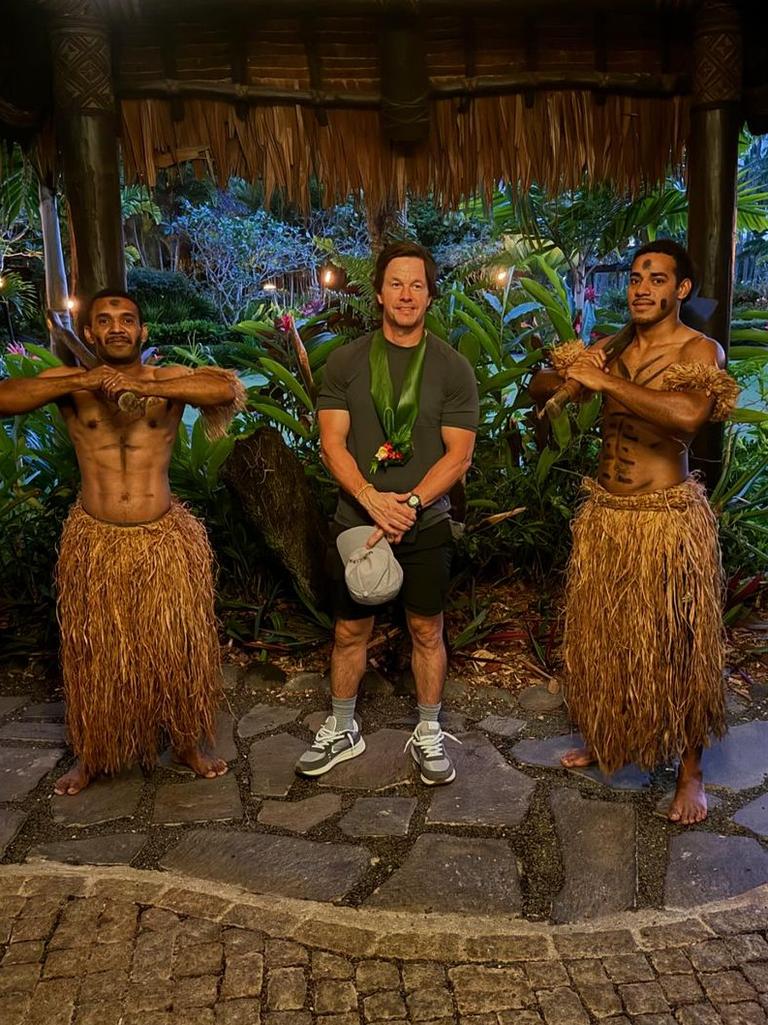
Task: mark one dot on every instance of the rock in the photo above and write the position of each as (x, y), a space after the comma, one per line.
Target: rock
(10, 823)
(662, 806)
(498, 694)
(379, 816)
(754, 815)
(704, 867)
(107, 798)
(487, 791)
(263, 676)
(264, 718)
(21, 769)
(628, 778)
(231, 674)
(740, 760)
(52, 711)
(384, 763)
(10, 702)
(300, 816)
(547, 753)
(118, 849)
(538, 698)
(273, 764)
(203, 800)
(597, 844)
(502, 725)
(453, 874)
(373, 685)
(47, 731)
(308, 683)
(263, 863)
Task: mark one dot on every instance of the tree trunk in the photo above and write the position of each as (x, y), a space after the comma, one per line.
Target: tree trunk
(269, 480)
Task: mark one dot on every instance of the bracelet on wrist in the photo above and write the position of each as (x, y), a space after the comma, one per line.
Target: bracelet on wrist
(362, 491)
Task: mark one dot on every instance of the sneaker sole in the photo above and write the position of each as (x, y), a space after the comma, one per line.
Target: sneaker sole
(342, 756)
(438, 782)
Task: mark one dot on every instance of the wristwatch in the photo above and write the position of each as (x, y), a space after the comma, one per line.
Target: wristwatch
(415, 503)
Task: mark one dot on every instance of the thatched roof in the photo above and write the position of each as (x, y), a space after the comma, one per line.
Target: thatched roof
(422, 95)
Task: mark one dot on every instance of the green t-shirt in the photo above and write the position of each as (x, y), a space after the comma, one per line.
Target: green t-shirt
(448, 399)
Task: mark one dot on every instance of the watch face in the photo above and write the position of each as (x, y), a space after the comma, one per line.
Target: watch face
(414, 501)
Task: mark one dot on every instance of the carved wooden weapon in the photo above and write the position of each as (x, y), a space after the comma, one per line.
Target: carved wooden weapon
(570, 390)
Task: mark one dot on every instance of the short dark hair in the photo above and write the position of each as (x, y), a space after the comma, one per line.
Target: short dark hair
(668, 246)
(111, 293)
(395, 251)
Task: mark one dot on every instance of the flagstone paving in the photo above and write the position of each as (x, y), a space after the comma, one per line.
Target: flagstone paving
(514, 835)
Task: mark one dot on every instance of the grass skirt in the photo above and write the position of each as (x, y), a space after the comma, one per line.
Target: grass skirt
(139, 648)
(644, 644)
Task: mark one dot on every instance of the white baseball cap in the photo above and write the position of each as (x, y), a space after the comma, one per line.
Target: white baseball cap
(373, 575)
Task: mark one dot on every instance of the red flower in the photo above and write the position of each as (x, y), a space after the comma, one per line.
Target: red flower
(284, 323)
(590, 294)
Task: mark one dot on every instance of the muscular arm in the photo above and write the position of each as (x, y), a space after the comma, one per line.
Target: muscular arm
(681, 412)
(23, 394)
(386, 509)
(450, 468)
(202, 387)
(674, 412)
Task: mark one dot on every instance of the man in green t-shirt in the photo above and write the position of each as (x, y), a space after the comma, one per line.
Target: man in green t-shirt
(398, 412)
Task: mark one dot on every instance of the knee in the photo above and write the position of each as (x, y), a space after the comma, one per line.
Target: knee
(351, 633)
(426, 632)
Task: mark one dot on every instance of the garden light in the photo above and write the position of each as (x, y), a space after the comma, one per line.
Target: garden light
(2, 283)
(328, 277)
(71, 304)
(501, 276)
(270, 286)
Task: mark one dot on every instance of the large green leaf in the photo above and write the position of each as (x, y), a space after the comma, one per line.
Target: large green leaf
(561, 321)
(280, 416)
(286, 378)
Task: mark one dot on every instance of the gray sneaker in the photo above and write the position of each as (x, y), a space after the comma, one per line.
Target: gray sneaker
(329, 747)
(428, 751)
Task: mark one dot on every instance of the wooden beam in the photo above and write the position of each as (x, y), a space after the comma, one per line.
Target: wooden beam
(610, 82)
(86, 132)
(712, 161)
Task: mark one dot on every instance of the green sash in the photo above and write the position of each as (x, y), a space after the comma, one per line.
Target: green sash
(396, 421)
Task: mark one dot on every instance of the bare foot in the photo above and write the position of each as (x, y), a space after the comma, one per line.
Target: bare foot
(689, 805)
(72, 782)
(578, 758)
(201, 763)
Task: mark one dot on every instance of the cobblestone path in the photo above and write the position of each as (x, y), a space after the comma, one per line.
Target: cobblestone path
(122, 947)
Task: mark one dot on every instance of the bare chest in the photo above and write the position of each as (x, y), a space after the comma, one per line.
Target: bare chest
(100, 426)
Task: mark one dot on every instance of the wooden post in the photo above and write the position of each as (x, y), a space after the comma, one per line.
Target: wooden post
(56, 290)
(712, 158)
(87, 138)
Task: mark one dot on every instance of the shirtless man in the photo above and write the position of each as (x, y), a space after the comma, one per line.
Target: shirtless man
(135, 589)
(643, 638)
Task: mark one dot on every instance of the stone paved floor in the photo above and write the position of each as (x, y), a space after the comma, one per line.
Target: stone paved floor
(122, 947)
(515, 834)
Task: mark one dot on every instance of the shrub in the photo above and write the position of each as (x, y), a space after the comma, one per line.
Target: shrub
(187, 332)
(167, 296)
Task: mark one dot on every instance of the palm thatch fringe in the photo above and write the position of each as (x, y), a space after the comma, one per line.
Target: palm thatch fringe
(644, 644)
(713, 381)
(631, 141)
(139, 648)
